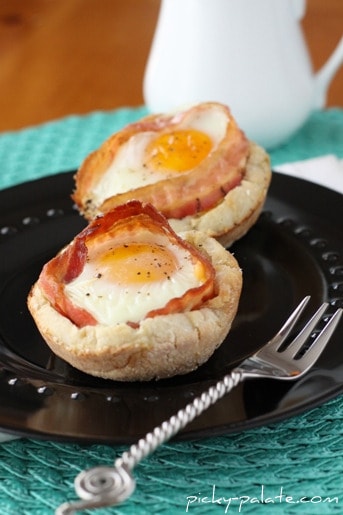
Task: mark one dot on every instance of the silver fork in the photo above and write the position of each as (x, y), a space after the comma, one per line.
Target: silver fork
(107, 486)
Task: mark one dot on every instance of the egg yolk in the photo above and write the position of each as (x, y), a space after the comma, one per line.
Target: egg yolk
(178, 150)
(137, 263)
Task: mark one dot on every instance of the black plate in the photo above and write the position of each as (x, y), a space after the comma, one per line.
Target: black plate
(295, 249)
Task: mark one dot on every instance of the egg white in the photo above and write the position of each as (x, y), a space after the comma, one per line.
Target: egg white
(128, 170)
(113, 303)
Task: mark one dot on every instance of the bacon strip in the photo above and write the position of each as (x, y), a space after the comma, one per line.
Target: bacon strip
(126, 219)
(185, 194)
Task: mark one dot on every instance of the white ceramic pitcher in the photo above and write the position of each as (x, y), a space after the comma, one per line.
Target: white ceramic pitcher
(248, 54)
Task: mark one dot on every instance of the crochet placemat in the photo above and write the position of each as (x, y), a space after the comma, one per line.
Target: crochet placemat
(292, 467)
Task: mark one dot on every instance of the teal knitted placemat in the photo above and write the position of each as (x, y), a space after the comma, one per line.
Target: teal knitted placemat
(295, 466)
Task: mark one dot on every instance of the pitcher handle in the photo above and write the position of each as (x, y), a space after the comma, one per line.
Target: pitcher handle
(325, 75)
(299, 8)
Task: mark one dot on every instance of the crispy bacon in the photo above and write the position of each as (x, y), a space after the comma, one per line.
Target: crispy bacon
(191, 193)
(126, 219)
(185, 194)
(62, 269)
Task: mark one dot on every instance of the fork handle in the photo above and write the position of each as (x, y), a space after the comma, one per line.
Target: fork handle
(171, 427)
(110, 486)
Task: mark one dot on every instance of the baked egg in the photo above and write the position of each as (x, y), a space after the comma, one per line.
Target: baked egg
(182, 163)
(126, 266)
(161, 152)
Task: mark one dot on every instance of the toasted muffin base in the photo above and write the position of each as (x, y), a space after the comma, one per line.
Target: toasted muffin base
(240, 208)
(163, 346)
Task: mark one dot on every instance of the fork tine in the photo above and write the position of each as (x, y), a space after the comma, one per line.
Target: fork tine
(287, 327)
(319, 344)
(295, 346)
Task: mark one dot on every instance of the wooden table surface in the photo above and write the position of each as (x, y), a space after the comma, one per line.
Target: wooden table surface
(61, 57)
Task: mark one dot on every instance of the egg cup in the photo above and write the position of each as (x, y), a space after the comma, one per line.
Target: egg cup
(159, 346)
